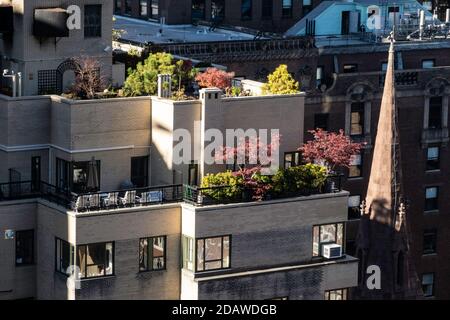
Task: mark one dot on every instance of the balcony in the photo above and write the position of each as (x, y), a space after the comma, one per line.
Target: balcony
(434, 135)
(234, 194)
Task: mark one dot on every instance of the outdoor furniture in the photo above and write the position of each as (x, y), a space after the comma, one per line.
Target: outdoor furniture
(94, 201)
(129, 199)
(79, 204)
(111, 199)
(151, 196)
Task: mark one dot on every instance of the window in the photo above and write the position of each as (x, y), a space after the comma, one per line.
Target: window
(217, 10)
(62, 174)
(128, 7)
(118, 6)
(428, 284)
(154, 13)
(338, 294)
(24, 247)
(357, 119)
(286, 11)
(86, 176)
(350, 68)
(433, 158)
(139, 171)
(319, 76)
(188, 253)
(307, 6)
(92, 21)
(267, 8)
(429, 241)
(327, 233)
(427, 64)
(435, 113)
(384, 66)
(354, 210)
(198, 10)
(291, 159)
(152, 253)
(95, 260)
(321, 121)
(213, 253)
(246, 9)
(143, 8)
(356, 166)
(64, 256)
(431, 198)
(193, 174)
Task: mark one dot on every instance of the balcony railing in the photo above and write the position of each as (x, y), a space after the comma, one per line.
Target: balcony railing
(234, 194)
(127, 198)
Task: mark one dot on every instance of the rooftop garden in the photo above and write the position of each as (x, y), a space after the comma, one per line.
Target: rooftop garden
(185, 79)
(323, 159)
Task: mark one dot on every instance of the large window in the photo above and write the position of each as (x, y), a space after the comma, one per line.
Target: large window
(431, 198)
(435, 113)
(356, 166)
(193, 174)
(86, 176)
(152, 253)
(429, 241)
(217, 10)
(354, 210)
(286, 10)
(292, 159)
(143, 8)
(213, 253)
(139, 171)
(267, 8)
(246, 9)
(357, 119)
(198, 10)
(188, 253)
(62, 174)
(428, 284)
(433, 158)
(24, 247)
(325, 234)
(337, 294)
(95, 260)
(92, 21)
(428, 63)
(64, 256)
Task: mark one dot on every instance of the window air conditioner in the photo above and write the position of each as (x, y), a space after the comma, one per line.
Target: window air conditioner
(332, 250)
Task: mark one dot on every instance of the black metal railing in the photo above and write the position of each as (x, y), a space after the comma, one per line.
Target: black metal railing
(234, 194)
(127, 198)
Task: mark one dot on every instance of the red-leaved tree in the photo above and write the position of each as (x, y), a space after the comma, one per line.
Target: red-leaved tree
(214, 77)
(330, 149)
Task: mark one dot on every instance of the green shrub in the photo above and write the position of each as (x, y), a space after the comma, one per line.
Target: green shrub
(281, 82)
(232, 185)
(295, 179)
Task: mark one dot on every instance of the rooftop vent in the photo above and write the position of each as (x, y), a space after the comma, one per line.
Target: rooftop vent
(6, 19)
(50, 22)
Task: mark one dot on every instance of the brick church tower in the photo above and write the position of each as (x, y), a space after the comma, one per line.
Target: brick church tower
(383, 232)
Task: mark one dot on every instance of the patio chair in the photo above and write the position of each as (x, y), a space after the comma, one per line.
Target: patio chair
(129, 199)
(80, 204)
(111, 199)
(94, 201)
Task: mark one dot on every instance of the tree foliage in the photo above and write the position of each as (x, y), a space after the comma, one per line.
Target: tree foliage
(214, 77)
(281, 82)
(330, 149)
(89, 79)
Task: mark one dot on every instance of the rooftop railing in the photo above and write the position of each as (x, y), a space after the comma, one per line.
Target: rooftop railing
(235, 194)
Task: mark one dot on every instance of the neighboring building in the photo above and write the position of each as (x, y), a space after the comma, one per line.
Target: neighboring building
(128, 244)
(265, 15)
(39, 45)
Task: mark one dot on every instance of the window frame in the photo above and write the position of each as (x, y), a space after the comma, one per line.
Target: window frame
(286, 11)
(434, 200)
(358, 166)
(293, 155)
(215, 260)
(433, 233)
(359, 108)
(440, 107)
(58, 264)
(266, 7)
(145, 177)
(249, 7)
(350, 68)
(150, 265)
(351, 215)
(85, 277)
(142, 4)
(432, 61)
(91, 34)
(344, 292)
(188, 252)
(33, 243)
(433, 164)
(319, 254)
(432, 284)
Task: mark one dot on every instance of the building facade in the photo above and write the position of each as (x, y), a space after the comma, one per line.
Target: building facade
(265, 15)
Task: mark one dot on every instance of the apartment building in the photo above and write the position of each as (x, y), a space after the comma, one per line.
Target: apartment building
(38, 44)
(71, 201)
(265, 15)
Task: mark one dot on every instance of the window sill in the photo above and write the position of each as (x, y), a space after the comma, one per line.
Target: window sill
(98, 278)
(355, 178)
(26, 265)
(434, 254)
(433, 171)
(432, 212)
(149, 271)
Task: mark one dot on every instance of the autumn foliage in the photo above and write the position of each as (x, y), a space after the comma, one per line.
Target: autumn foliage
(214, 77)
(330, 149)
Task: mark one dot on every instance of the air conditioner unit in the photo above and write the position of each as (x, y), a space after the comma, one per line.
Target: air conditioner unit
(332, 250)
